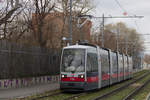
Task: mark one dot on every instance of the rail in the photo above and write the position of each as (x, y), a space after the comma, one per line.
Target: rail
(128, 97)
(120, 88)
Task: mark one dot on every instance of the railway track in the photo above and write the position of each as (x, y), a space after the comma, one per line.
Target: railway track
(76, 96)
(81, 94)
(121, 88)
(59, 93)
(133, 93)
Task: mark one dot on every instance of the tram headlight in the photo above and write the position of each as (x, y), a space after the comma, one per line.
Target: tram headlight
(63, 76)
(81, 76)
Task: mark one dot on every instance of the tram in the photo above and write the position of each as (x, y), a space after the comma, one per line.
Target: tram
(86, 67)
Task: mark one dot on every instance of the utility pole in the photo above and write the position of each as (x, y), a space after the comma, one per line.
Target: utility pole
(102, 40)
(70, 25)
(118, 39)
(134, 55)
(126, 45)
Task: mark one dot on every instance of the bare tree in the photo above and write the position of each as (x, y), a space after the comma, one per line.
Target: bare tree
(147, 59)
(42, 9)
(8, 12)
(45, 22)
(79, 7)
(128, 40)
(127, 37)
(31, 22)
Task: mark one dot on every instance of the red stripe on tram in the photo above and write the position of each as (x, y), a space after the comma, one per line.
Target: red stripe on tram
(115, 75)
(105, 76)
(92, 79)
(72, 79)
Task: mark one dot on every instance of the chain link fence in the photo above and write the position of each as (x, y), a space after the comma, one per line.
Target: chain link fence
(17, 61)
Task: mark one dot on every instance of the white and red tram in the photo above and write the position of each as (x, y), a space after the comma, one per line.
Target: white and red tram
(86, 67)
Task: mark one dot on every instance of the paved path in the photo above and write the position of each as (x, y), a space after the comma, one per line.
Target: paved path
(6, 94)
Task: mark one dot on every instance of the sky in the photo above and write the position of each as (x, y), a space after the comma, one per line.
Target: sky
(132, 8)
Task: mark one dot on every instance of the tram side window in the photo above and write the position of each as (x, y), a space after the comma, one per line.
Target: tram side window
(121, 65)
(92, 64)
(114, 63)
(105, 63)
(130, 64)
(89, 66)
(126, 64)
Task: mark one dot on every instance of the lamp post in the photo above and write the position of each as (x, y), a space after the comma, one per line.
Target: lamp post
(65, 40)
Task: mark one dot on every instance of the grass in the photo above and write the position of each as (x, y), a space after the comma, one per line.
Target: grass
(139, 73)
(143, 93)
(59, 97)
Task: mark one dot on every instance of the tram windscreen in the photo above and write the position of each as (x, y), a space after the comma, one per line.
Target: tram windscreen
(73, 60)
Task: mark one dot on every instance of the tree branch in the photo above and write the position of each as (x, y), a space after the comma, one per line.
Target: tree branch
(8, 15)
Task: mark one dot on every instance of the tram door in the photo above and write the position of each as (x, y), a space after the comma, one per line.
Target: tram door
(127, 73)
(130, 67)
(92, 68)
(105, 67)
(121, 66)
(114, 68)
(125, 67)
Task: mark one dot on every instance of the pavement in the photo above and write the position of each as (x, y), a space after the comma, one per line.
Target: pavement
(6, 94)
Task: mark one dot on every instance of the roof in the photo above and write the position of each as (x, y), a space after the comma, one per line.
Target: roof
(78, 46)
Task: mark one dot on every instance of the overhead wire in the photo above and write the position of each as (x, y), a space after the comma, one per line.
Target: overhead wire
(135, 22)
(120, 6)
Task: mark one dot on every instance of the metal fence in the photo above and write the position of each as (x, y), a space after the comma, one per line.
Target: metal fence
(18, 61)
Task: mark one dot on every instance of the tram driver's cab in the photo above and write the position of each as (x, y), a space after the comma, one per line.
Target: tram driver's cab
(79, 68)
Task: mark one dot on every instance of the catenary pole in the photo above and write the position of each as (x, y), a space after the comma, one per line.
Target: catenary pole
(102, 31)
(118, 37)
(70, 24)
(103, 18)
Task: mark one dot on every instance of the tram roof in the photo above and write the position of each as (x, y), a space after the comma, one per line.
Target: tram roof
(78, 46)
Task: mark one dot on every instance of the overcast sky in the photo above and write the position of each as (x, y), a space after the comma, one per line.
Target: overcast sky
(131, 7)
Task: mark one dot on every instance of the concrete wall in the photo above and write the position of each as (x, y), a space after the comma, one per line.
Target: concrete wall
(24, 82)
